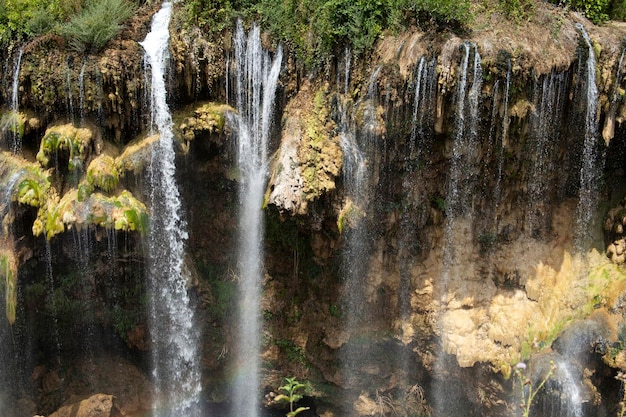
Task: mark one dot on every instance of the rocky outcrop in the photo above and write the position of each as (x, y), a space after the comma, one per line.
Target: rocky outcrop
(99, 405)
(615, 233)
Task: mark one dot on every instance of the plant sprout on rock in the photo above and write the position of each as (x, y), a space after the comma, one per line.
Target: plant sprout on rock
(290, 396)
(527, 388)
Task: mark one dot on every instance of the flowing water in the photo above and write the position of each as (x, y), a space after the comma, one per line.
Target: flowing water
(457, 239)
(81, 92)
(545, 125)
(256, 83)
(464, 148)
(590, 165)
(360, 167)
(174, 334)
(562, 396)
(16, 145)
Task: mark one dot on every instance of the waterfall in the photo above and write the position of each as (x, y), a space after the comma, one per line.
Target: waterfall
(175, 338)
(81, 92)
(358, 145)
(256, 83)
(70, 99)
(545, 124)
(457, 239)
(464, 147)
(16, 145)
(562, 397)
(590, 169)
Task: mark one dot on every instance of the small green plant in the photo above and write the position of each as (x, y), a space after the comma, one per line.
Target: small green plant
(99, 22)
(527, 388)
(291, 396)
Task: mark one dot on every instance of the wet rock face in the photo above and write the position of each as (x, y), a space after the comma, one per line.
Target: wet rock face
(615, 233)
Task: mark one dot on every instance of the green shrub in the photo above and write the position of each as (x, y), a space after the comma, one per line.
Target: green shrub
(98, 23)
(21, 19)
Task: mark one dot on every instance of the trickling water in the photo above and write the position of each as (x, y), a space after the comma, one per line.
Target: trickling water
(545, 124)
(70, 99)
(175, 355)
(464, 146)
(81, 92)
(16, 146)
(504, 140)
(51, 302)
(458, 205)
(256, 83)
(590, 160)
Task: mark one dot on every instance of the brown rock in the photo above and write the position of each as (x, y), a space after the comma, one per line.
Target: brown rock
(99, 405)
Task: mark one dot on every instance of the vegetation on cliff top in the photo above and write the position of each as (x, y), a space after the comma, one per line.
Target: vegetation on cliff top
(314, 29)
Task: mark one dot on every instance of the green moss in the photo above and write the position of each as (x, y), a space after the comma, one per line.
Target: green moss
(68, 138)
(121, 212)
(8, 271)
(321, 157)
(102, 173)
(207, 118)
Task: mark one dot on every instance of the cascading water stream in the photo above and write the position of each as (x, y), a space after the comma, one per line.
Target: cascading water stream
(545, 123)
(359, 168)
(16, 145)
(256, 83)
(562, 397)
(590, 169)
(68, 89)
(457, 240)
(81, 92)
(175, 338)
(463, 151)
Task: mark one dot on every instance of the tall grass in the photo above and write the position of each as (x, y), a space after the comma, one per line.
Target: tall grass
(98, 23)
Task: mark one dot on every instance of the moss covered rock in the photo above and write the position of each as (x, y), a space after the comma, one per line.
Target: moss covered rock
(205, 120)
(136, 155)
(121, 212)
(73, 140)
(102, 173)
(310, 157)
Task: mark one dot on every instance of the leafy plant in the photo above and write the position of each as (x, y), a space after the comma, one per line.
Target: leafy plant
(291, 396)
(97, 24)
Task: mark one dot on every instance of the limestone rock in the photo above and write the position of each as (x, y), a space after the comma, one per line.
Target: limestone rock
(614, 232)
(99, 405)
(309, 158)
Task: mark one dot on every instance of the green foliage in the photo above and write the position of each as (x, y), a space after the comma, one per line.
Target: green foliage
(97, 24)
(21, 19)
(291, 396)
(595, 10)
(517, 10)
(315, 29)
(294, 352)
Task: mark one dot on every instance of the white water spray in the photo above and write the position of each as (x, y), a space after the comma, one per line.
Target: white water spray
(175, 339)
(590, 170)
(16, 146)
(81, 92)
(256, 82)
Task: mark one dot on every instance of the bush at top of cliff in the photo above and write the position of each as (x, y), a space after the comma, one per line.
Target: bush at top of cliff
(22, 19)
(317, 29)
(98, 23)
